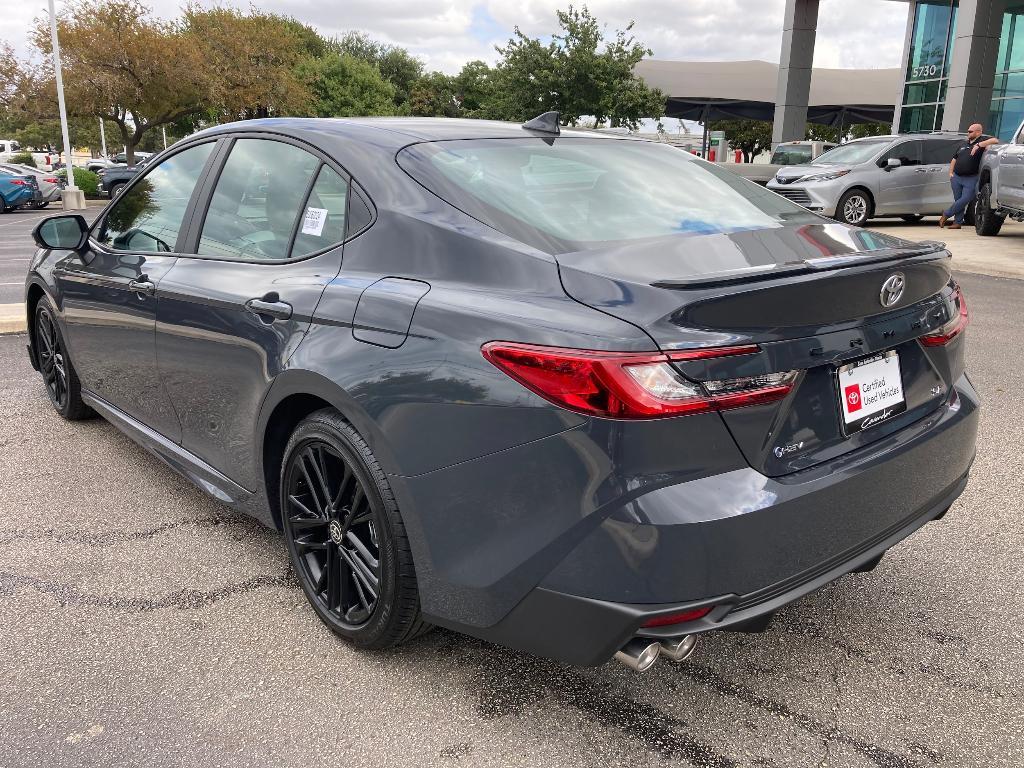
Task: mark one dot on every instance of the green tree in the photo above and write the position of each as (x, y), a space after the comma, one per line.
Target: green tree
(396, 64)
(752, 137)
(434, 95)
(124, 66)
(578, 73)
(474, 89)
(250, 60)
(342, 85)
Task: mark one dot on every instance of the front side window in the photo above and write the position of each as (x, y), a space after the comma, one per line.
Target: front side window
(257, 201)
(908, 153)
(148, 216)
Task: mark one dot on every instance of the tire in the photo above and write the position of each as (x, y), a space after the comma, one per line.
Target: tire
(4, 207)
(986, 221)
(340, 518)
(115, 189)
(855, 208)
(912, 218)
(62, 384)
(40, 206)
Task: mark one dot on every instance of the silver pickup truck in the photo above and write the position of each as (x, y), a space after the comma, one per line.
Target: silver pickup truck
(1000, 186)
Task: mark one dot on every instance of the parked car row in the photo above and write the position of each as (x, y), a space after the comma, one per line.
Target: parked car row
(47, 183)
(901, 176)
(24, 186)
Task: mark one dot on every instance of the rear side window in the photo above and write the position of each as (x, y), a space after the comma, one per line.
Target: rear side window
(257, 201)
(576, 193)
(148, 216)
(323, 218)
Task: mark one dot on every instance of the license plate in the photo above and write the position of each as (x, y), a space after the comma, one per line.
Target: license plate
(871, 391)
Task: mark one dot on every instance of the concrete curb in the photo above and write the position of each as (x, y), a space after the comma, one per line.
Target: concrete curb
(12, 318)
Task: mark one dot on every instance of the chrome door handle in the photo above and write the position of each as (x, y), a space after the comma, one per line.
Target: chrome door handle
(275, 309)
(142, 285)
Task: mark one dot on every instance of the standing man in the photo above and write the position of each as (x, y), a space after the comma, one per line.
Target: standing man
(963, 174)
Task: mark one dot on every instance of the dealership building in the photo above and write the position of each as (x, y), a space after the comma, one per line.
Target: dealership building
(963, 62)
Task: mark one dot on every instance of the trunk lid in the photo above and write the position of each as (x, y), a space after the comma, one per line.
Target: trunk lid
(810, 297)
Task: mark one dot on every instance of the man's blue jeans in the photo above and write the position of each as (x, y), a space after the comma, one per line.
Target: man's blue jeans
(965, 189)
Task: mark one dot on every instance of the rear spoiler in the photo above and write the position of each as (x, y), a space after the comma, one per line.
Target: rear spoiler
(932, 249)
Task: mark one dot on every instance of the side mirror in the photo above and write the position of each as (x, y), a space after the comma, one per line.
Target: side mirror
(893, 162)
(65, 233)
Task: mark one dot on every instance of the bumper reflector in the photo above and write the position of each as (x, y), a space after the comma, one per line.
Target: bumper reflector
(678, 618)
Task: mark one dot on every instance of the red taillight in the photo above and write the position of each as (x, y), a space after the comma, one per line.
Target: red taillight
(18, 182)
(627, 385)
(954, 327)
(678, 618)
(52, 180)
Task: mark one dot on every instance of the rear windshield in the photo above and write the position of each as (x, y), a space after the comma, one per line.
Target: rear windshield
(853, 153)
(572, 194)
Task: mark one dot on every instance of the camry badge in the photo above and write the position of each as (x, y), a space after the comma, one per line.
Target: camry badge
(892, 289)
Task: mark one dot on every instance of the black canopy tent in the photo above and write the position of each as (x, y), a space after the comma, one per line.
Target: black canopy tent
(728, 90)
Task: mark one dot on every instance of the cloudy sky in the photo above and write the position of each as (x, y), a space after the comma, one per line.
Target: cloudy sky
(447, 33)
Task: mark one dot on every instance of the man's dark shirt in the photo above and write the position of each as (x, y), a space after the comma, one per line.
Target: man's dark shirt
(965, 163)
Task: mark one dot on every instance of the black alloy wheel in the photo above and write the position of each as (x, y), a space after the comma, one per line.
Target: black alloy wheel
(345, 537)
(59, 375)
(987, 222)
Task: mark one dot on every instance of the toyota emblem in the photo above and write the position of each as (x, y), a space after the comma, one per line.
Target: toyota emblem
(892, 289)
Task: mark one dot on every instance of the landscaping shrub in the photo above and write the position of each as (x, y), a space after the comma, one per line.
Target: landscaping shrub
(85, 180)
(24, 158)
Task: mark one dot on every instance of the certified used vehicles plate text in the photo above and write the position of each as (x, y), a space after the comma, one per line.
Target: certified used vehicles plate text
(871, 391)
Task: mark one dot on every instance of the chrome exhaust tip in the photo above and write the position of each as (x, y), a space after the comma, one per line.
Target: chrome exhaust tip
(639, 654)
(679, 648)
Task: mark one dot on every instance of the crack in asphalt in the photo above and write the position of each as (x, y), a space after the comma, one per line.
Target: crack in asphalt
(512, 683)
(880, 756)
(105, 538)
(183, 599)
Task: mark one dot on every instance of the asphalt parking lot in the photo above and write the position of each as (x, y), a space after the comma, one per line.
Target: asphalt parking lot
(16, 246)
(142, 623)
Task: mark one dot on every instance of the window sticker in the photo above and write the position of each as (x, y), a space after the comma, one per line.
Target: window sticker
(314, 220)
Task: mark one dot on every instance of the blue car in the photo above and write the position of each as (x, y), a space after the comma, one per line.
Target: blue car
(15, 190)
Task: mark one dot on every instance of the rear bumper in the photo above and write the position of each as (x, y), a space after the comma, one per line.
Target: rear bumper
(743, 542)
(587, 632)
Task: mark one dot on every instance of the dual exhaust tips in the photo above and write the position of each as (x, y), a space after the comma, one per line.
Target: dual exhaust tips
(640, 653)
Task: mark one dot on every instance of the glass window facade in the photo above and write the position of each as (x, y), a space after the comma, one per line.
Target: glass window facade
(1008, 89)
(931, 50)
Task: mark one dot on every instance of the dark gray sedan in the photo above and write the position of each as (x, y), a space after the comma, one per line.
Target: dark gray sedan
(581, 395)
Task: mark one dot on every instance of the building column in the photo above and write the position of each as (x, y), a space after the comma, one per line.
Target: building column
(795, 62)
(908, 42)
(972, 70)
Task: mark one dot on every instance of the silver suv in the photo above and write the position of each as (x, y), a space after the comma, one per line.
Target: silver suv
(905, 176)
